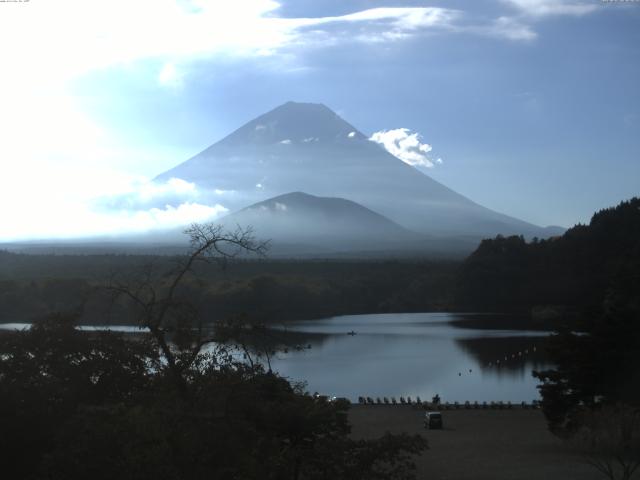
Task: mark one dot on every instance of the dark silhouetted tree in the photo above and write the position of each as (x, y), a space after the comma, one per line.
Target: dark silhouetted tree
(159, 302)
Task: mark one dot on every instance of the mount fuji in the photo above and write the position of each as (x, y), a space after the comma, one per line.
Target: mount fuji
(304, 147)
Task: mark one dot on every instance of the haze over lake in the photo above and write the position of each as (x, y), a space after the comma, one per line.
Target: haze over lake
(414, 354)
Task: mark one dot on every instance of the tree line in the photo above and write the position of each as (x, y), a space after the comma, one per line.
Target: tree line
(34, 285)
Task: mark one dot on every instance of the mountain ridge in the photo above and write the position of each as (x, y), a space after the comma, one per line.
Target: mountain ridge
(304, 225)
(300, 217)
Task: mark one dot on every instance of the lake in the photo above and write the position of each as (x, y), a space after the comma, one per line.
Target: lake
(414, 354)
(407, 354)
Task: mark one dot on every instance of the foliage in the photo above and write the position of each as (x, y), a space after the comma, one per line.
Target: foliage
(598, 365)
(574, 270)
(78, 405)
(48, 372)
(272, 290)
(609, 439)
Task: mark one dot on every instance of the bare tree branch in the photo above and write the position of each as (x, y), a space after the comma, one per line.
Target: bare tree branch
(156, 298)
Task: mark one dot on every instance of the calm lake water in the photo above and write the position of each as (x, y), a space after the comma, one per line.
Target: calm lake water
(84, 328)
(407, 354)
(418, 354)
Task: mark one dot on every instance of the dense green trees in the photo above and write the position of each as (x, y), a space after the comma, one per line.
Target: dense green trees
(572, 271)
(592, 275)
(52, 371)
(277, 290)
(597, 366)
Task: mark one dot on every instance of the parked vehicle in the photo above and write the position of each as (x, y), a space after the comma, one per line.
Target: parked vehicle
(433, 420)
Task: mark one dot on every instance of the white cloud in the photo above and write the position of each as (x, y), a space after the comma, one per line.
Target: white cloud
(281, 207)
(67, 38)
(401, 18)
(511, 28)
(175, 185)
(45, 124)
(543, 8)
(58, 203)
(142, 193)
(351, 134)
(375, 25)
(170, 76)
(286, 141)
(169, 216)
(405, 145)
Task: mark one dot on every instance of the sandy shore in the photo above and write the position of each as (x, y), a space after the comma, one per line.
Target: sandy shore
(478, 444)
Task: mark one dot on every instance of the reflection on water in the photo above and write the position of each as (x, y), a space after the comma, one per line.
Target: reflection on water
(518, 354)
(414, 355)
(417, 354)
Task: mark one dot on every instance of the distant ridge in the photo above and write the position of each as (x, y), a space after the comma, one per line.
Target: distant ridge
(334, 224)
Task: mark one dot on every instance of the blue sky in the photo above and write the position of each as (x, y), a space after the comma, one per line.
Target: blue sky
(532, 105)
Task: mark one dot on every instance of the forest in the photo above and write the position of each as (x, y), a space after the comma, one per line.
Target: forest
(271, 290)
(571, 274)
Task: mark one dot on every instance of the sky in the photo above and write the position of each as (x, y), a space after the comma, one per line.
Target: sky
(528, 107)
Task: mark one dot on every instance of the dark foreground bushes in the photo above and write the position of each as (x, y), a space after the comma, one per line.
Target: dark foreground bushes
(77, 405)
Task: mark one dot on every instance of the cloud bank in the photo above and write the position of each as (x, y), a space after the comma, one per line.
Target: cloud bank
(69, 205)
(67, 38)
(407, 146)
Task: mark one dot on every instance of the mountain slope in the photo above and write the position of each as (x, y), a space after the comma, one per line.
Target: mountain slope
(321, 223)
(300, 146)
